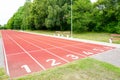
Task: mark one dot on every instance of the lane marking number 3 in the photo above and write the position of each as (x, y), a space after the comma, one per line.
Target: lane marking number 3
(72, 56)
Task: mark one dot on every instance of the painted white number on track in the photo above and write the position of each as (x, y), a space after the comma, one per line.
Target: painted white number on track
(26, 68)
(72, 56)
(95, 49)
(87, 53)
(54, 63)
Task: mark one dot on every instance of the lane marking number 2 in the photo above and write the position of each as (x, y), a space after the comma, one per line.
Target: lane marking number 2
(53, 62)
(26, 68)
(72, 56)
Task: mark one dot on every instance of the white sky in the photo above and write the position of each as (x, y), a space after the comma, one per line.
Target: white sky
(9, 7)
(93, 0)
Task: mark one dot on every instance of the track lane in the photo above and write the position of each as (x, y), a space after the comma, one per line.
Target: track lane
(47, 51)
(35, 41)
(81, 48)
(11, 48)
(56, 50)
(21, 47)
(35, 45)
(41, 59)
(15, 62)
(64, 42)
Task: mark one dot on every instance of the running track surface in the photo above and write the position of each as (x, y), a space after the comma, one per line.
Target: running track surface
(27, 53)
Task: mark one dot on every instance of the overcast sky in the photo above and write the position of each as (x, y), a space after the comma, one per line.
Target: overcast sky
(93, 0)
(9, 7)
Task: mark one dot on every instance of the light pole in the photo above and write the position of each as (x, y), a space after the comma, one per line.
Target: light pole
(71, 21)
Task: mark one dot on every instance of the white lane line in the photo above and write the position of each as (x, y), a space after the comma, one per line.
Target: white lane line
(18, 53)
(63, 47)
(74, 45)
(6, 63)
(94, 47)
(27, 53)
(26, 67)
(86, 50)
(83, 49)
(52, 46)
(13, 54)
(44, 50)
(60, 47)
(100, 45)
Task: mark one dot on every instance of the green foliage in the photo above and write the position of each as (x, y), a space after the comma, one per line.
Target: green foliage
(82, 15)
(3, 75)
(42, 14)
(26, 15)
(58, 14)
(107, 15)
(15, 21)
(102, 16)
(3, 26)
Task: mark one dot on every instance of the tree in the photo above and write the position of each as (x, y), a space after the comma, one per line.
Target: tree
(26, 15)
(15, 21)
(42, 14)
(107, 15)
(82, 15)
(39, 13)
(58, 14)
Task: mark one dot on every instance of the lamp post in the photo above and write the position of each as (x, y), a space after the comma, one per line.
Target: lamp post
(71, 21)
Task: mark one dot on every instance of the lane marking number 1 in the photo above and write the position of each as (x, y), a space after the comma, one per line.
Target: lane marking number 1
(54, 63)
(26, 68)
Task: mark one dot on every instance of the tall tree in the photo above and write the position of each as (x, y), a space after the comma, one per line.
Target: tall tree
(82, 15)
(26, 15)
(58, 13)
(107, 14)
(39, 13)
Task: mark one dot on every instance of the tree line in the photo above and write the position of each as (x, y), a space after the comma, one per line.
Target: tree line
(101, 16)
(42, 15)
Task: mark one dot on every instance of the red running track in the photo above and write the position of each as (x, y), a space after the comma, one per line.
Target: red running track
(28, 53)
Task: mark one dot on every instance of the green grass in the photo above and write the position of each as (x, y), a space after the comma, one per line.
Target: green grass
(95, 36)
(103, 37)
(3, 75)
(84, 69)
(43, 32)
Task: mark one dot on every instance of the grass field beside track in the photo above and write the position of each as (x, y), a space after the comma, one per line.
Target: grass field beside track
(3, 75)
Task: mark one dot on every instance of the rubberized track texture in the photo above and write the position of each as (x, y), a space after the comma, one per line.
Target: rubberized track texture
(27, 53)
